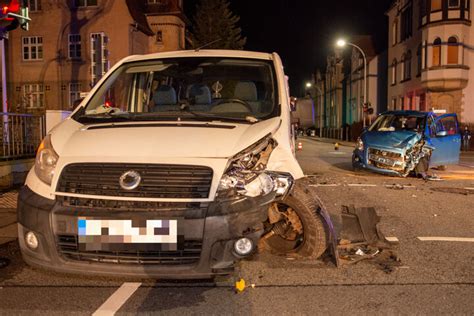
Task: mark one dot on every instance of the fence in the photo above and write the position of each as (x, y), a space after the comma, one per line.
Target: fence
(21, 135)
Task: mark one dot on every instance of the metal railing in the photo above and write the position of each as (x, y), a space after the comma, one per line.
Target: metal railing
(21, 135)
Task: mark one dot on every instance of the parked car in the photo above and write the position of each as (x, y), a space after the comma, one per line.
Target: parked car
(176, 165)
(401, 142)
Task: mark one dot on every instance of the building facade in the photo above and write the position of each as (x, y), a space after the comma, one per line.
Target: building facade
(430, 55)
(339, 92)
(71, 44)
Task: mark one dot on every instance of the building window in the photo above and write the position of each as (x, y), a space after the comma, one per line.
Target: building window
(34, 5)
(423, 9)
(402, 103)
(394, 33)
(454, 4)
(394, 104)
(32, 48)
(402, 74)
(406, 23)
(99, 57)
(74, 93)
(394, 72)
(407, 66)
(436, 52)
(159, 37)
(436, 5)
(85, 3)
(33, 95)
(154, 1)
(453, 51)
(74, 46)
(419, 60)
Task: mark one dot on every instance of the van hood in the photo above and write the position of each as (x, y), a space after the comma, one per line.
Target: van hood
(398, 139)
(158, 139)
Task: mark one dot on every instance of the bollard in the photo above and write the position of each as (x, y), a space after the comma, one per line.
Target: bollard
(300, 146)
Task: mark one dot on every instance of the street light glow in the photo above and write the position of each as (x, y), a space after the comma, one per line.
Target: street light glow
(308, 85)
(341, 43)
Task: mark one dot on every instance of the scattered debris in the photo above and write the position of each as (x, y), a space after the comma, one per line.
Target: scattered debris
(464, 191)
(240, 285)
(395, 186)
(433, 177)
(362, 240)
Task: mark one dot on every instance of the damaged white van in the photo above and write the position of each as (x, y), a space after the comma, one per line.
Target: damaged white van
(176, 165)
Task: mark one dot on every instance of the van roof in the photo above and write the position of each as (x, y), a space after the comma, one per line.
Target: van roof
(202, 53)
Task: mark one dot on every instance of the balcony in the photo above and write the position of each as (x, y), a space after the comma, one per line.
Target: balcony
(445, 78)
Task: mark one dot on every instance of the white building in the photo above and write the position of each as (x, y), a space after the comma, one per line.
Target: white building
(430, 55)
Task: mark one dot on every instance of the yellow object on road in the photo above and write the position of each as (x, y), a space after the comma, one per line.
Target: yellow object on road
(240, 286)
(336, 146)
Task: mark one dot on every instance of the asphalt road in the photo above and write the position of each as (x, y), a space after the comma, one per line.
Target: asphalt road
(434, 277)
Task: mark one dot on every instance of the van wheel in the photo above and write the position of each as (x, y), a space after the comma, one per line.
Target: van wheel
(298, 229)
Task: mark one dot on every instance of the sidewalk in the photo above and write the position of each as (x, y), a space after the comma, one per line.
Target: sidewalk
(8, 227)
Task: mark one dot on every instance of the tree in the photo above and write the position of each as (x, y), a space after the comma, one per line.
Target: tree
(215, 23)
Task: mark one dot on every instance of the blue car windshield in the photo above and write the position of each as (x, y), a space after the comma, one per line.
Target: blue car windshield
(392, 123)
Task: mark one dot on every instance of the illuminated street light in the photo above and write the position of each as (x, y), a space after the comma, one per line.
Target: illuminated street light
(308, 85)
(341, 44)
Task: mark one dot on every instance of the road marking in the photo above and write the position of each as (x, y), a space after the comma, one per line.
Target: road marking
(114, 302)
(361, 185)
(324, 185)
(470, 189)
(446, 239)
(392, 239)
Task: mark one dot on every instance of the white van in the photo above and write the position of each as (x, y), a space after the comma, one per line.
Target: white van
(176, 165)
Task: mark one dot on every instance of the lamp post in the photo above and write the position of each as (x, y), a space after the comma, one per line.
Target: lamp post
(342, 43)
(309, 85)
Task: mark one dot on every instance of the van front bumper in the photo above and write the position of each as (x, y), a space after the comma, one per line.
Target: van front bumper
(215, 228)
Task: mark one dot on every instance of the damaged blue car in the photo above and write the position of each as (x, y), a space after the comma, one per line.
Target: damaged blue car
(403, 142)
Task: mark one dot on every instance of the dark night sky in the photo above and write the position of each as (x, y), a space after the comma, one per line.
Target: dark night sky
(302, 32)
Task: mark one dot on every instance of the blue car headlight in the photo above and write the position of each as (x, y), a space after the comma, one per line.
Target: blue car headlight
(359, 144)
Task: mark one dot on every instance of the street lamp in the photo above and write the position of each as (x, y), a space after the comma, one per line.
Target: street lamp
(308, 85)
(341, 43)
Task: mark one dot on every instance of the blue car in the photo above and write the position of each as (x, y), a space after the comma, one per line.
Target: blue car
(403, 142)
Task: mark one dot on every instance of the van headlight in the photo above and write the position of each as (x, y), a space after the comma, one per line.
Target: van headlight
(245, 174)
(46, 160)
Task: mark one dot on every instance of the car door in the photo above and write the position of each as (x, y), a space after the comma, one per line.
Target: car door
(445, 137)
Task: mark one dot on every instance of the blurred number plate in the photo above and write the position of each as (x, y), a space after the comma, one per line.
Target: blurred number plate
(105, 234)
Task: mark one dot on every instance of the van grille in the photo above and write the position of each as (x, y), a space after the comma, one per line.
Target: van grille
(158, 180)
(190, 254)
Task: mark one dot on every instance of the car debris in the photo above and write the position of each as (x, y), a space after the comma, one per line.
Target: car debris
(361, 239)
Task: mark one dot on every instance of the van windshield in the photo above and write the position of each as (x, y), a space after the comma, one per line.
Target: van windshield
(392, 123)
(195, 88)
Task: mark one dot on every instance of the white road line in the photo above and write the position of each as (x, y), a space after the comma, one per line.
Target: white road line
(361, 185)
(114, 302)
(324, 185)
(392, 239)
(460, 239)
(470, 189)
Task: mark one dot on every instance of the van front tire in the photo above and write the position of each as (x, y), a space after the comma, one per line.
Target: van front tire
(313, 241)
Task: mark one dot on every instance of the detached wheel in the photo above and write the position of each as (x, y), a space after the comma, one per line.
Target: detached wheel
(295, 227)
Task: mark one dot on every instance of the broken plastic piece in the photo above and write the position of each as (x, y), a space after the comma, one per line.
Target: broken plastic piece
(240, 286)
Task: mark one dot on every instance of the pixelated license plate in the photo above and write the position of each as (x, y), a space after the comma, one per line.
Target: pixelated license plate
(124, 234)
